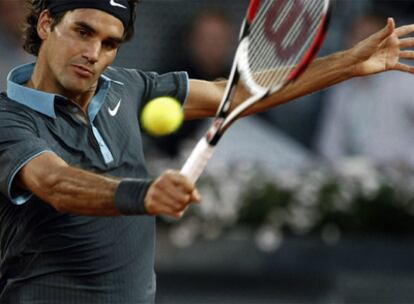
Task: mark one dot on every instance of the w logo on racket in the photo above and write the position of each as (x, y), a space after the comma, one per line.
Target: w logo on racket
(281, 24)
(278, 41)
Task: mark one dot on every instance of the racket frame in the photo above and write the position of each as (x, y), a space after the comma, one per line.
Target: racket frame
(240, 70)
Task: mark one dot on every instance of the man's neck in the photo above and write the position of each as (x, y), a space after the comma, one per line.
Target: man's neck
(40, 83)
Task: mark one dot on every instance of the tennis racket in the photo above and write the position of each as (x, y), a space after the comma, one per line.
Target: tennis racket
(278, 40)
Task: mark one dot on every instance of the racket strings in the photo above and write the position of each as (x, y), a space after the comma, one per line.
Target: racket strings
(292, 35)
(268, 51)
(275, 78)
(276, 49)
(284, 66)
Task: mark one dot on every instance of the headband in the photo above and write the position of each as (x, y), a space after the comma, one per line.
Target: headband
(117, 8)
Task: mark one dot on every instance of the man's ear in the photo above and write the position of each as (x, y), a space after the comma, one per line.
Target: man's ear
(44, 24)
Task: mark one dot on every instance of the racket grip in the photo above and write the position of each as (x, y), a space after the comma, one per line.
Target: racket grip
(198, 160)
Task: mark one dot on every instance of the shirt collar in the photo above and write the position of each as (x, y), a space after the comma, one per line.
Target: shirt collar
(44, 102)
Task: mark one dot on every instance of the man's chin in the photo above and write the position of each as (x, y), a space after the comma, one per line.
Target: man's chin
(77, 88)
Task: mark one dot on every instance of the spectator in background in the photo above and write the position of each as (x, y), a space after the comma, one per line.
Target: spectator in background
(207, 50)
(209, 45)
(371, 117)
(12, 14)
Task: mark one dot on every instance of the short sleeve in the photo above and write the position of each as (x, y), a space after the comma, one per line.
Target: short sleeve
(19, 143)
(174, 84)
(145, 86)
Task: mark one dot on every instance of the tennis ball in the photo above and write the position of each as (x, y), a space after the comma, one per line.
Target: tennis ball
(162, 116)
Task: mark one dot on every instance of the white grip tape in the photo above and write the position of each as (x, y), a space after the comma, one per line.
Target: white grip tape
(198, 160)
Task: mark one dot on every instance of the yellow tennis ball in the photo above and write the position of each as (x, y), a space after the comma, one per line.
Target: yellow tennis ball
(162, 116)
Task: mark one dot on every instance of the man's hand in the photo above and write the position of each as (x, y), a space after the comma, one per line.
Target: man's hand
(170, 194)
(383, 50)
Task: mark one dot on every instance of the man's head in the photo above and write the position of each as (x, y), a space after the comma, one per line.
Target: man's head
(32, 40)
(211, 41)
(75, 42)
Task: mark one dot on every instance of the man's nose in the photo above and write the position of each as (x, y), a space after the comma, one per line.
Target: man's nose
(92, 51)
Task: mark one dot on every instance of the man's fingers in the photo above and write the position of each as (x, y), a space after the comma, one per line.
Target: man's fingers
(390, 27)
(195, 196)
(160, 202)
(173, 182)
(407, 54)
(180, 180)
(386, 31)
(177, 185)
(404, 30)
(406, 43)
(170, 194)
(177, 199)
(404, 68)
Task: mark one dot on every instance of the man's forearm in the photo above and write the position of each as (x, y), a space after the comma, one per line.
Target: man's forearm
(69, 189)
(323, 72)
(73, 190)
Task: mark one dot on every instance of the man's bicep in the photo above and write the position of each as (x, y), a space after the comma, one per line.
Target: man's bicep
(203, 99)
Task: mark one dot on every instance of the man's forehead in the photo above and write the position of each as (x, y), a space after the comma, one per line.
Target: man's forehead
(119, 9)
(96, 19)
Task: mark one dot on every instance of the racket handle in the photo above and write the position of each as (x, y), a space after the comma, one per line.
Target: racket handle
(198, 160)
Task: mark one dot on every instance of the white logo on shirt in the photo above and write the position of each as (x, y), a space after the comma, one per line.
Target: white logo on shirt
(113, 111)
(113, 3)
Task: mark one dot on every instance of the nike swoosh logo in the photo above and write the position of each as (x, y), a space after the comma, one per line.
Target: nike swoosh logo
(113, 111)
(113, 3)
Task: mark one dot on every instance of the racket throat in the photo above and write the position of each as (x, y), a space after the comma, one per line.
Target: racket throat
(215, 139)
(215, 132)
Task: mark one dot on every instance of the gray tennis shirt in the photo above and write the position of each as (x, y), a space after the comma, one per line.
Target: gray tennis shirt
(51, 257)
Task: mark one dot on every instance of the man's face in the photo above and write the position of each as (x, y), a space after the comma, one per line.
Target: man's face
(211, 44)
(77, 51)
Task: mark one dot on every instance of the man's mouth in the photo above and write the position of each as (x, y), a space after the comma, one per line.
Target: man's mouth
(83, 71)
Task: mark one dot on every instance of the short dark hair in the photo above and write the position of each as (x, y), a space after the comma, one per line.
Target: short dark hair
(32, 41)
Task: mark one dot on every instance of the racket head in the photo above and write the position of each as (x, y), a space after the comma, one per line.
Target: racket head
(283, 36)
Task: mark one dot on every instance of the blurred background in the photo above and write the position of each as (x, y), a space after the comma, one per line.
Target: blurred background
(311, 202)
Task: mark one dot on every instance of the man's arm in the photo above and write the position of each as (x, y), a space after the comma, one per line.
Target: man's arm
(378, 53)
(72, 190)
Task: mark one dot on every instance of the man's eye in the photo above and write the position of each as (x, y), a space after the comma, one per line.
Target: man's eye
(110, 44)
(83, 33)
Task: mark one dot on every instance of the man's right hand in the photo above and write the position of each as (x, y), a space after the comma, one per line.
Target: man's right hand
(170, 194)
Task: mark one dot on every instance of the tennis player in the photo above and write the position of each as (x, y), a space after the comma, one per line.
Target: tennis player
(77, 205)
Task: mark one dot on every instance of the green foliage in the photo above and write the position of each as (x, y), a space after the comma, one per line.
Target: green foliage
(355, 198)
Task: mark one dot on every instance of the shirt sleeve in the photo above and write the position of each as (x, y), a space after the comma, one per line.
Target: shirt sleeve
(19, 143)
(174, 84)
